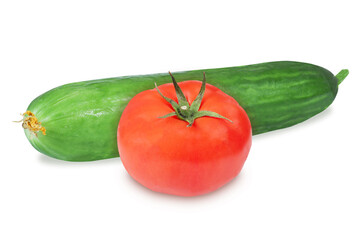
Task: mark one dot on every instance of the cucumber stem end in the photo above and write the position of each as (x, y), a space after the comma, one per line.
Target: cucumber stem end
(31, 123)
(342, 75)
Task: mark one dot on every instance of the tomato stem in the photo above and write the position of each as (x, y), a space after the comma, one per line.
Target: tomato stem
(185, 111)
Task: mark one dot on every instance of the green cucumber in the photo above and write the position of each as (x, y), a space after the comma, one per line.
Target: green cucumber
(78, 121)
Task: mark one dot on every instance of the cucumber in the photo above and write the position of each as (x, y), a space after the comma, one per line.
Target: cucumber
(78, 121)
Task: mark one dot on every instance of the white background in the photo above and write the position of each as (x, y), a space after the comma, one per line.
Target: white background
(302, 182)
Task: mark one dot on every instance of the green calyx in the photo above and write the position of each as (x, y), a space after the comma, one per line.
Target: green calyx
(183, 110)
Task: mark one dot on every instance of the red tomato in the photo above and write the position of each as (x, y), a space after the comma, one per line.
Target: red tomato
(166, 156)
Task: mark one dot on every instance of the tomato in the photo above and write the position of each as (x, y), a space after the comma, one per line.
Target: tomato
(171, 151)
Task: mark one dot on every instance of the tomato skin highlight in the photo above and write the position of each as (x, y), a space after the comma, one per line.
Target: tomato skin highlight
(165, 155)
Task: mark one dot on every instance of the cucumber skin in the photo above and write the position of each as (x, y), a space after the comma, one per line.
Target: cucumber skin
(81, 119)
